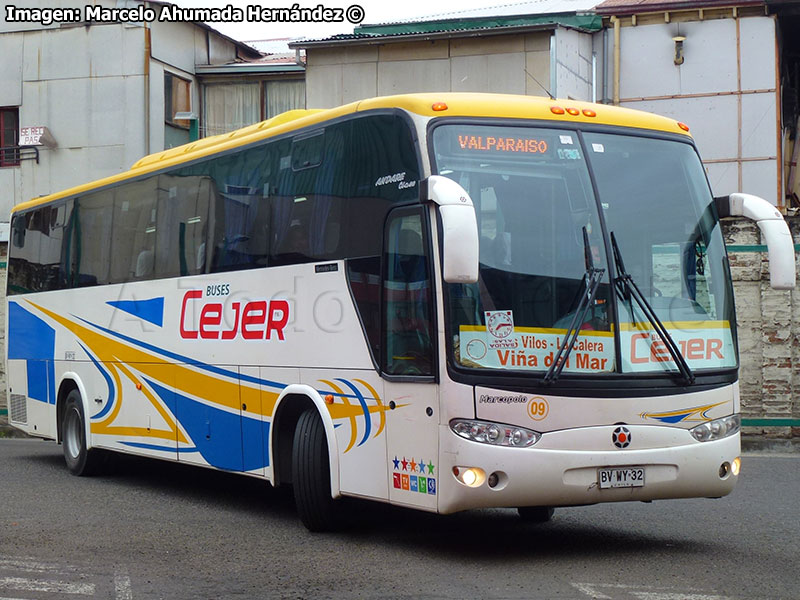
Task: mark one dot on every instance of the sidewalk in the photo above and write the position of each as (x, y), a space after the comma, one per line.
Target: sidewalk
(7, 431)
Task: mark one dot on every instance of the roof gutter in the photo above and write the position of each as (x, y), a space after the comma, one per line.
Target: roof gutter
(423, 37)
(247, 69)
(632, 8)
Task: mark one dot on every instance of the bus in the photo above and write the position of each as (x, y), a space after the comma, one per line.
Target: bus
(437, 301)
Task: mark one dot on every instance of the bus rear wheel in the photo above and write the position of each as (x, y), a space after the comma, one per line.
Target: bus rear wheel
(311, 474)
(80, 460)
(535, 514)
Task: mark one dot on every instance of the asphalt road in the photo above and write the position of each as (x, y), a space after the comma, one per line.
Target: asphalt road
(157, 530)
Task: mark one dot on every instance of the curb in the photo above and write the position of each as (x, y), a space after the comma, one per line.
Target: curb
(761, 445)
(7, 431)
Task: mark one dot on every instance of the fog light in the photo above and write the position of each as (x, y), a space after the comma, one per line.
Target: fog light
(470, 476)
(724, 470)
(493, 480)
(736, 466)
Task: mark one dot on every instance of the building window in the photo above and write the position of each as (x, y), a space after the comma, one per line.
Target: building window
(9, 137)
(177, 98)
(231, 106)
(284, 95)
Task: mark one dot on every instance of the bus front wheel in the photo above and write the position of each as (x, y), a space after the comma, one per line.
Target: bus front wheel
(80, 460)
(311, 474)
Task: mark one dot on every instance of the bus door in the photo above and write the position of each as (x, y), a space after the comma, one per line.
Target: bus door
(408, 357)
(255, 453)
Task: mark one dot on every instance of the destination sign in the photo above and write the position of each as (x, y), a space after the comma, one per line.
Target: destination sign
(503, 144)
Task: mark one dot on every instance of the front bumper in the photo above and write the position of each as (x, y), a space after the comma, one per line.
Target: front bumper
(676, 466)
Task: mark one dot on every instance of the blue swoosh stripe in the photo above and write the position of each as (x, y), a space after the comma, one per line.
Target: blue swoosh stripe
(111, 395)
(155, 447)
(364, 407)
(151, 310)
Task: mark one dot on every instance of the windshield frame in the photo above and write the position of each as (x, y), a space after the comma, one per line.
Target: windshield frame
(614, 383)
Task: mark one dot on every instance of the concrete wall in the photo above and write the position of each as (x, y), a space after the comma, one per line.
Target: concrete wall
(92, 102)
(339, 75)
(96, 90)
(86, 85)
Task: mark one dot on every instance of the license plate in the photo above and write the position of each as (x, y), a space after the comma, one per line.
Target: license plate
(621, 477)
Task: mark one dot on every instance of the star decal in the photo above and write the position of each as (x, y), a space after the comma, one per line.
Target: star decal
(396, 463)
(405, 464)
(430, 468)
(413, 465)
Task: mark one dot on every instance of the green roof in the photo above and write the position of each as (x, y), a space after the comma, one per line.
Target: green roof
(583, 22)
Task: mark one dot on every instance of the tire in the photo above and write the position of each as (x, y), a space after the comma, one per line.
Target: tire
(535, 514)
(311, 474)
(80, 461)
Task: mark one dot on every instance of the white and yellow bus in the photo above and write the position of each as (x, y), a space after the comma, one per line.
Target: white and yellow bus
(439, 301)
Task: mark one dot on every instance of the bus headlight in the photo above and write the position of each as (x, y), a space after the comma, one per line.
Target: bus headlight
(494, 433)
(717, 429)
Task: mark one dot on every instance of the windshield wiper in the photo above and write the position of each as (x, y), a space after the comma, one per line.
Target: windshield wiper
(629, 290)
(591, 281)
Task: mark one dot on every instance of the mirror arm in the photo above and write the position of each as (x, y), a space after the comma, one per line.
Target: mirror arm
(774, 231)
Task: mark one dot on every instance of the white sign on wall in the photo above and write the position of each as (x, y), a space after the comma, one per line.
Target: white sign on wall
(37, 135)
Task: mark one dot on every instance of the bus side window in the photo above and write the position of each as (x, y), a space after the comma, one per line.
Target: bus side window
(182, 225)
(407, 297)
(18, 231)
(93, 236)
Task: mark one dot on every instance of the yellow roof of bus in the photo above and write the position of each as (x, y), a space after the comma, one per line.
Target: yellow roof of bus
(426, 104)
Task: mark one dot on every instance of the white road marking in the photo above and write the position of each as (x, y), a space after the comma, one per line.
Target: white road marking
(25, 564)
(641, 592)
(42, 585)
(122, 587)
(590, 589)
(31, 565)
(676, 596)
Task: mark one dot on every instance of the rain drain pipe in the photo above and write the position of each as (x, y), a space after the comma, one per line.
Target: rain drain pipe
(147, 56)
(615, 21)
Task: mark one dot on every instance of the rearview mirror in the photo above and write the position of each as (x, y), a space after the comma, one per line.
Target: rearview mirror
(459, 226)
(774, 231)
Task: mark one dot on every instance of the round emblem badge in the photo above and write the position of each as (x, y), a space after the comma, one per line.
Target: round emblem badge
(621, 437)
(500, 324)
(476, 349)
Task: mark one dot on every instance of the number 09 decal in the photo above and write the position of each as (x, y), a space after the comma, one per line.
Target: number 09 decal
(538, 408)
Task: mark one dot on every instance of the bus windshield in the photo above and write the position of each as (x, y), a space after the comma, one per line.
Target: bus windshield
(549, 202)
